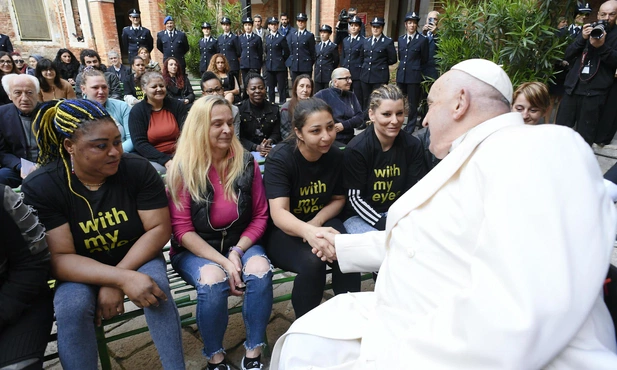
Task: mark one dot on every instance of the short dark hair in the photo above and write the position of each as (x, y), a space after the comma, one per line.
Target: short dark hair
(304, 109)
(257, 16)
(352, 10)
(283, 14)
(207, 76)
(89, 53)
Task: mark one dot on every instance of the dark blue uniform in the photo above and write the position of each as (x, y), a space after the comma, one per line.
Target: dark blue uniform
(286, 31)
(229, 46)
(277, 52)
(327, 61)
(175, 45)
(352, 58)
(413, 55)
(251, 56)
(135, 38)
(302, 53)
(5, 43)
(207, 48)
(378, 57)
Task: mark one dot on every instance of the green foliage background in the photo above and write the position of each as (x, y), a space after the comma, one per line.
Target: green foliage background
(190, 14)
(517, 34)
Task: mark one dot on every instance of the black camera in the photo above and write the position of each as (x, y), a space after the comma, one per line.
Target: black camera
(431, 21)
(343, 16)
(598, 29)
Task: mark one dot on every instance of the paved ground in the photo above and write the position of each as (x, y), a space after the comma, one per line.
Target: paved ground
(138, 352)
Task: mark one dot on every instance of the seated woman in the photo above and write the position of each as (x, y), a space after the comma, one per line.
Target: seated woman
(150, 65)
(94, 87)
(260, 119)
(177, 83)
(302, 89)
(303, 186)
(107, 221)
(220, 67)
(133, 93)
(348, 113)
(532, 100)
(68, 65)
(155, 122)
(27, 312)
(219, 213)
(52, 86)
(7, 66)
(381, 163)
(21, 64)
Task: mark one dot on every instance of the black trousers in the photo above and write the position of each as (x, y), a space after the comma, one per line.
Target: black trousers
(292, 254)
(367, 89)
(581, 113)
(296, 74)
(278, 79)
(236, 75)
(26, 337)
(356, 87)
(320, 86)
(413, 92)
(608, 121)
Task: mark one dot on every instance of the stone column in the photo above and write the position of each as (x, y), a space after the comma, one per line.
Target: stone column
(152, 19)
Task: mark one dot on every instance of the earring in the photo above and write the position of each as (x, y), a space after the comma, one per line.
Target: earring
(72, 165)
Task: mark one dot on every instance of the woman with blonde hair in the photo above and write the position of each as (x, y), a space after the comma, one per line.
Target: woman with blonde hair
(151, 65)
(220, 67)
(532, 100)
(219, 213)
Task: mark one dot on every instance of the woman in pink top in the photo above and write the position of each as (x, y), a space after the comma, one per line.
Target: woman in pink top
(219, 213)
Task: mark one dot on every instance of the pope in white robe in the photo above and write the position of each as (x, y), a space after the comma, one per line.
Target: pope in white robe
(494, 260)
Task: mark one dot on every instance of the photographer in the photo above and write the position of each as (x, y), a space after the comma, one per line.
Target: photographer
(430, 31)
(593, 60)
(342, 27)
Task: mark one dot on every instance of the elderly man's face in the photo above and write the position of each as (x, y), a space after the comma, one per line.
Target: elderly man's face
(257, 23)
(23, 94)
(441, 104)
(343, 80)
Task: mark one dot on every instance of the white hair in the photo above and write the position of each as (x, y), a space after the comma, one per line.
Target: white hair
(9, 79)
(113, 53)
(336, 72)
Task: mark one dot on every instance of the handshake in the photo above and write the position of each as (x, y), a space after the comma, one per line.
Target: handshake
(321, 240)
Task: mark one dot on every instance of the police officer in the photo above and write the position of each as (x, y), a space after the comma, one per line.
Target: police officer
(171, 42)
(327, 58)
(229, 46)
(135, 36)
(413, 55)
(379, 53)
(208, 46)
(251, 50)
(301, 48)
(353, 55)
(277, 52)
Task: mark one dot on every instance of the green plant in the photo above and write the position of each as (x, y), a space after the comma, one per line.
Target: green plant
(190, 14)
(517, 34)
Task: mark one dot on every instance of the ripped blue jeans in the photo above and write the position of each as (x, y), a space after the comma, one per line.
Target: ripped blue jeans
(212, 314)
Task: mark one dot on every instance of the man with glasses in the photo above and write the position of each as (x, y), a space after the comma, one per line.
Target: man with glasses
(346, 109)
(136, 36)
(211, 85)
(17, 141)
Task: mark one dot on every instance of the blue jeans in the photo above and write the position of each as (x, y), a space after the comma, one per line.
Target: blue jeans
(212, 316)
(357, 225)
(75, 305)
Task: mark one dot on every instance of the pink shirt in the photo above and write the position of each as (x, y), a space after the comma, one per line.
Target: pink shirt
(222, 211)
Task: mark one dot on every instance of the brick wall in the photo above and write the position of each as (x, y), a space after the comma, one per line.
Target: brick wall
(152, 19)
(104, 28)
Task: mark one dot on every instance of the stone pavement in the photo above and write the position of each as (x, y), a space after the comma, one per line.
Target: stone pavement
(138, 352)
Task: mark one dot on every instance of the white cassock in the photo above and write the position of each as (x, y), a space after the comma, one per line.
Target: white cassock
(494, 260)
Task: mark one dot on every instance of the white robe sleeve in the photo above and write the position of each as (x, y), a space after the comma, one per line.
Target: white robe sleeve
(539, 262)
(360, 252)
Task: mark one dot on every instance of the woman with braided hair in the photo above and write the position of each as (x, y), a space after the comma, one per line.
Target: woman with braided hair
(107, 221)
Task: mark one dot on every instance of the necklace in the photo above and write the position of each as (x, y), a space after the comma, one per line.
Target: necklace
(90, 186)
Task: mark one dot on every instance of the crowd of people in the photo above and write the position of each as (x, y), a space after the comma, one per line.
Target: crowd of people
(451, 242)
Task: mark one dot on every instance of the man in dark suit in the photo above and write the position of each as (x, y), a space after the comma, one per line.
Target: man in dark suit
(171, 42)
(413, 55)
(301, 48)
(136, 36)
(252, 50)
(353, 55)
(229, 46)
(277, 52)
(120, 70)
(379, 54)
(17, 140)
(208, 46)
(327, 58)
(285, 28)
(5, 43)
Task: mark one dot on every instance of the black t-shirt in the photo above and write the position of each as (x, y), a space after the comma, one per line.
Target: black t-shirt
(116, 225)
(382, 177)
(308, 185)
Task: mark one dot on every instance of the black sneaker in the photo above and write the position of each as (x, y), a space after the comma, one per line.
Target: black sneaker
(253, 364)
(222, 366)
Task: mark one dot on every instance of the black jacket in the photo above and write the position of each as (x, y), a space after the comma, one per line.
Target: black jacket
(302, 51)
(352, 56)
(230, 48)
(327, 60)
(277, 52)
(132, 40)
(206, 50)
(377, 59)
(602, 68)
(122, 73)
(412, 56)
(253, 130)
(252, 51)
(13, 144)
(24, 258)
(176, 46)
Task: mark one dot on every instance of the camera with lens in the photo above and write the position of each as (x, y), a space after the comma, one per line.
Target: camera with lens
(598, 29)
(431, 21)
(343, 18)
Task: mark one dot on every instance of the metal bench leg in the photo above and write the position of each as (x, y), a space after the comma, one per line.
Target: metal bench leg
(102, 347)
